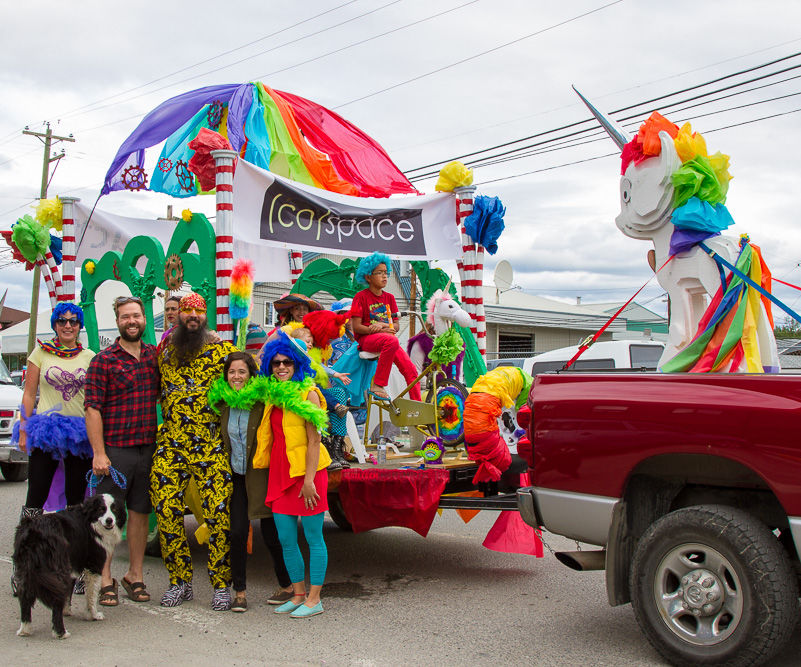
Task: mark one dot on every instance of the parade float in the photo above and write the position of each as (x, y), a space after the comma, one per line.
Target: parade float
(289, 175)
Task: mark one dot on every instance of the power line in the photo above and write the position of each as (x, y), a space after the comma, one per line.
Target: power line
(591, 120)
(478, 55)
(207, 60)
(255, 55)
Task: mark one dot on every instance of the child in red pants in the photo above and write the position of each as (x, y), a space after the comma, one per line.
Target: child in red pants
(374, 320)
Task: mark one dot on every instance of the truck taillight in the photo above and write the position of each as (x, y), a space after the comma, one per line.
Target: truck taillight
(6, 413)
(524, 417)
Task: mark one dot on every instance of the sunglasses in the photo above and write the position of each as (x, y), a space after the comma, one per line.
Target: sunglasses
(379, 273)
(122, 300)
(275, 363)
(63, 321)
(198, 311)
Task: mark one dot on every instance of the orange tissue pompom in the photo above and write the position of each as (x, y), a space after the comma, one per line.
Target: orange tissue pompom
(648, 136)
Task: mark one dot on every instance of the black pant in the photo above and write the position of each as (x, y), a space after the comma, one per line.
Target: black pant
(240, 525)
(42, 467)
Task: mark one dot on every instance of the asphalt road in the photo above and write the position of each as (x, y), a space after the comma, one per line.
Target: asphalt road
(391, 598)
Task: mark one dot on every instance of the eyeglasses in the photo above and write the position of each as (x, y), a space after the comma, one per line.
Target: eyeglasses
(380, 273)
(275, 363)
(199, 311)
(63, 321)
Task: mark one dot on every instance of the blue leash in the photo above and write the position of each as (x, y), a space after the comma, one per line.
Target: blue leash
(94, 480)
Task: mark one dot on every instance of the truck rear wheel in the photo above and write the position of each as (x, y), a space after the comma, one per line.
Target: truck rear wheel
(711, 585)
(14, 472)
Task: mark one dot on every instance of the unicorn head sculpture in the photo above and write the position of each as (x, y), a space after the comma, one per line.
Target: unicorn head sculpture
(673, 193)
(441, 312)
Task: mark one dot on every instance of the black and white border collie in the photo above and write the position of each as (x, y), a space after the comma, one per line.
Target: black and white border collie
(52, 550)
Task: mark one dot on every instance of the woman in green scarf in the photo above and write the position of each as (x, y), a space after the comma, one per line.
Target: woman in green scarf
(238, 397)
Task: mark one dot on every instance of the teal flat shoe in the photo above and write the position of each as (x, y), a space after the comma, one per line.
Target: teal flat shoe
(287, 607)
(303, 611)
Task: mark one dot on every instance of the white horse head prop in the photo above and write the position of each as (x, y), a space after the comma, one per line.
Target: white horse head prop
(648, 211)
(442, 310)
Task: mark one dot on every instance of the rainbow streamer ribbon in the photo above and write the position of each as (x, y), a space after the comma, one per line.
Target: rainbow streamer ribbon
(286, 134)
(729, 334)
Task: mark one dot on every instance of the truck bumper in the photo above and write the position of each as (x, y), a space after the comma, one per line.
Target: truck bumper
(9, 454)
(527, 504)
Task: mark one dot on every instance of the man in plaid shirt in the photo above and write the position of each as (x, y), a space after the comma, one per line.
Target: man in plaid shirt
(122, 387)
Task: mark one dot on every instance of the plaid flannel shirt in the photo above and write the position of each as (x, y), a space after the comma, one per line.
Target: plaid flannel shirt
(125, 390)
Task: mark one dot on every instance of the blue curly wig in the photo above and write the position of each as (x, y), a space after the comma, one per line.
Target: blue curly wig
(283, 344)
(367, 266)
(64, 308)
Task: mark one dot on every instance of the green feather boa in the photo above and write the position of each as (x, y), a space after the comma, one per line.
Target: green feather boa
(270, 391)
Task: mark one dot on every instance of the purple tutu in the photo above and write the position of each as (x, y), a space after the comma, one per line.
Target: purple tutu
(55, 434)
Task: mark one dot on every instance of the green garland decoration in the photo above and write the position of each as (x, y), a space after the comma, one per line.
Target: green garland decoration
(269, 390)
(447, 347)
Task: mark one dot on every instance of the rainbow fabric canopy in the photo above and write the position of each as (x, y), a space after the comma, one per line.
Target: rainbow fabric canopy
(286, 134)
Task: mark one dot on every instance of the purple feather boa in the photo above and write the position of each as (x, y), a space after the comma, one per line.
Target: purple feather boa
(53, 433)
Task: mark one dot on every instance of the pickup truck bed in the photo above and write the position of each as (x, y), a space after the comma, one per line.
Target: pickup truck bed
(619, 458)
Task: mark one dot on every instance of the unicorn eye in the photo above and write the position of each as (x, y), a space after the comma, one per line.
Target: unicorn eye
(625, 190)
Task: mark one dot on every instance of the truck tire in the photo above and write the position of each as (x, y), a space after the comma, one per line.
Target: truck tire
(14, 472)
(337, 514)
(712, 585)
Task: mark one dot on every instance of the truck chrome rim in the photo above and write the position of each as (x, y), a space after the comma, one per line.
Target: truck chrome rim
(698, 594)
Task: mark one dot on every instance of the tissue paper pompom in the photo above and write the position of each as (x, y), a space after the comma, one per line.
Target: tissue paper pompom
(186, 215)
(454, 175)
(49, 214)
(648, 136)
(30, 237)
(90, 267)
(697, 178)
(689, 144)
(485, 224)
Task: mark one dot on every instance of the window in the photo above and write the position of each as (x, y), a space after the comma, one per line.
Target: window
(511, 345)
(645, 356)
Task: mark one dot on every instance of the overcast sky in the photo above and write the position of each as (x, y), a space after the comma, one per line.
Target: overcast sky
(429, 81)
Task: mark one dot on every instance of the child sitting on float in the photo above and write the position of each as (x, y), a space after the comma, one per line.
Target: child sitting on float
(374, 320)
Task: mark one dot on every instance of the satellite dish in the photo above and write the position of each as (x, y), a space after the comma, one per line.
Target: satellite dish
(504, 274)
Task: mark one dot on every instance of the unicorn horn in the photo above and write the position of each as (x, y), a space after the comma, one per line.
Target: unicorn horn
(618, 136)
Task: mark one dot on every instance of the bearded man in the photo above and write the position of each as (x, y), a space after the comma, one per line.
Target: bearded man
(122, 387)
(190, 446)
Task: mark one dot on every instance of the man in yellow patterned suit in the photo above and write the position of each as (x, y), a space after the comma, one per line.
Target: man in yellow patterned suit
(190, 360)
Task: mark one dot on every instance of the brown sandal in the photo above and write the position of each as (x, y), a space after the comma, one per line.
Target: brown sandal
(136, 591)
(109, 596)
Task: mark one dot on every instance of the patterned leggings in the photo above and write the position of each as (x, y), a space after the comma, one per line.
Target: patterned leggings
(174, 463)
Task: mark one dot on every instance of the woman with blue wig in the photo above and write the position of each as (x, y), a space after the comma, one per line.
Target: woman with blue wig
(288, 442)
(55, 429)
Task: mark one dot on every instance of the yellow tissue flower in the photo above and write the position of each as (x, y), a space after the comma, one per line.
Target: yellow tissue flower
(186, 214)
(90, 267)
(689, 144)
(454, 175)
(49, 213)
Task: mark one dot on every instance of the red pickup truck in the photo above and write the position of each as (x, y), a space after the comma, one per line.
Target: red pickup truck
(691, 486)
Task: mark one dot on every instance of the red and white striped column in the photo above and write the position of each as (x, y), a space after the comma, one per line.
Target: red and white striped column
(51, 290)
(481, 319)
(470, 278)
(68, 249)
(224, 184)
(55, 274)
(295, 264)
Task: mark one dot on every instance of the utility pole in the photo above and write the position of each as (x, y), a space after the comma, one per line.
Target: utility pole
(47, 138)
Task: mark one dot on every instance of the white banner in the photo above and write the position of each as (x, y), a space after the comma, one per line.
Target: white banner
(112, 232)
(287, 214)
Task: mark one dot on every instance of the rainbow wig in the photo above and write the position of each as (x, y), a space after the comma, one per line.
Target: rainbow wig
(64, 308)
(284, 345)
(367, 266)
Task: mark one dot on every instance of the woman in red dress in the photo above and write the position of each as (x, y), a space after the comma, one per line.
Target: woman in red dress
(289, 444)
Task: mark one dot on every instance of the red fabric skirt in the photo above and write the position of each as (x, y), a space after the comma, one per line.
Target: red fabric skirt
(283, 491)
